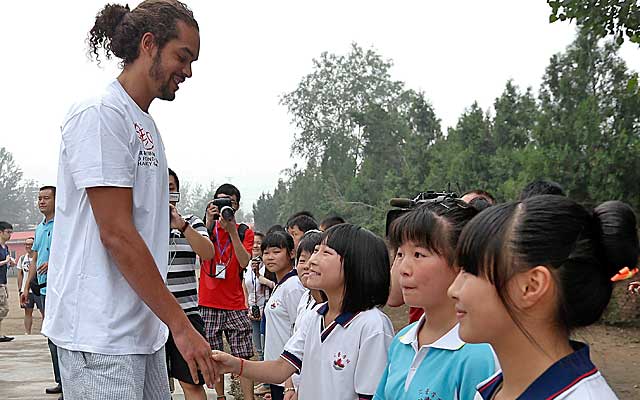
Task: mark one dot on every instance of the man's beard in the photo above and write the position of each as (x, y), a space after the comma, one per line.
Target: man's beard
(156, 72)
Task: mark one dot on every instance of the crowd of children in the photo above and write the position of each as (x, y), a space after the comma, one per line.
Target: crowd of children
(500, 292)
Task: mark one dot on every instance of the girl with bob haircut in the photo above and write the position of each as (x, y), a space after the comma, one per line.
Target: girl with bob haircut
(344, 342)
(532, 271)
(281, 309)
(428, 357)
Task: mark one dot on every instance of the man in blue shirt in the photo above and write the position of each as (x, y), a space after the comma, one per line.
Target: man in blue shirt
(41, 248)
(5, 261)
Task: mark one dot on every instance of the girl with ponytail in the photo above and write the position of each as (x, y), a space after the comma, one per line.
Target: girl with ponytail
(531, 272)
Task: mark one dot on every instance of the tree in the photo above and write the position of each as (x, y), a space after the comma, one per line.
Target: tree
(327, 103)
(589, 129)
(618, 18)
(194, 198)
(17, 196)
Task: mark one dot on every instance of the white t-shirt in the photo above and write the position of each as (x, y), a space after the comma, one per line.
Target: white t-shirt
(255, 289)
(106, 141)
(280, 313)
(23, 263)
(343, 361)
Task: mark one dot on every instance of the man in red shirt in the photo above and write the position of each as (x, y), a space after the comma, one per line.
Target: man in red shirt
(220, 296)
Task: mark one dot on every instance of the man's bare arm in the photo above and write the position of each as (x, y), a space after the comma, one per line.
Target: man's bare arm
(113, 208)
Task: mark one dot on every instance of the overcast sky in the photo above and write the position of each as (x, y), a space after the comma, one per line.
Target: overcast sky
(254, 51)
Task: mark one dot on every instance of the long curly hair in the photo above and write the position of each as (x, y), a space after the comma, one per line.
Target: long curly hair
(118, 30)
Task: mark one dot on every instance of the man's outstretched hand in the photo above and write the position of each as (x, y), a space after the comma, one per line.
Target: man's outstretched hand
(196, 352)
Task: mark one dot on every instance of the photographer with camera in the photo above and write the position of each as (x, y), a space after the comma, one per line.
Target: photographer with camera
(188, 237)
(256, 292)
(221, 297)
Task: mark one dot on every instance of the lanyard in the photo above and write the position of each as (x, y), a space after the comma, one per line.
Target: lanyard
(224, 248)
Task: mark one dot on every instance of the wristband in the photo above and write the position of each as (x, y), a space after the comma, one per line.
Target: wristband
(291, 389)
(184, 227)
(241, 367)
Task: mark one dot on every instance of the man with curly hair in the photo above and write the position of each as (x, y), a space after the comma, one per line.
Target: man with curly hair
(108, 308)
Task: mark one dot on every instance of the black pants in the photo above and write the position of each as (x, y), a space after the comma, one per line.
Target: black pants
(277, 392)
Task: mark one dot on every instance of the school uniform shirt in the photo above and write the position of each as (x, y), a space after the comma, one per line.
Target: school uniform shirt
(344, 360)
(446, 369)
(280, 314)
(574, 377)
(307, 303)
(107, 141)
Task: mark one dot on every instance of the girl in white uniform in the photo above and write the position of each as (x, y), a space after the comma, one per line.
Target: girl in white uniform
(310, 299)
(531, 272)
(341, 348)
(282, 307)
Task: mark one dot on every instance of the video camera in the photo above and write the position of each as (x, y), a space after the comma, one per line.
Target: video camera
(404, 205)
(224, 206)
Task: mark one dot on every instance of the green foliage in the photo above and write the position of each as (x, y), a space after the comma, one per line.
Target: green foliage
(618, 18)
(366, 138)
(17, 195)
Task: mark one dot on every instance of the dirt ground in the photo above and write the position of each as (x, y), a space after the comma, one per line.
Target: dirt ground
(616, 351)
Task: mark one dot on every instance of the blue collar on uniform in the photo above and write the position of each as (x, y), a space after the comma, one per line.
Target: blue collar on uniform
(560, 377)
(289, 274)
(343, 319)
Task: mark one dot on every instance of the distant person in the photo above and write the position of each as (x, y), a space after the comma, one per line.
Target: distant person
(331, 221)
(41, 255)
(221, 297)
(108, 307)
(24, 263)
(188, 238)
(539, 187)
(6, 230)
(256, 293)
(298, 224)
(471, 195)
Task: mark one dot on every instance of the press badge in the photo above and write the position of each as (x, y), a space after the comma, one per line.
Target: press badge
(221, 271)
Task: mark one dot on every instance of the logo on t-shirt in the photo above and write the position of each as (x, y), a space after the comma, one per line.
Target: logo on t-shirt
(274, 305)
(146, 157)
(144, 136)
(340, 361)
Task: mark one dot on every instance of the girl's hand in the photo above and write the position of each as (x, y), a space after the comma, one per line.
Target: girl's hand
(225, 362)
(634, 287)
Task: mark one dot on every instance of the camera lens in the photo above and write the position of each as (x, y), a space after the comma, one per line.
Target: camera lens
(227, 213)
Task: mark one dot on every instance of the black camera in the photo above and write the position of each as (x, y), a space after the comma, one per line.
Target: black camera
(225, 206)
(255, 311)
(405, 205)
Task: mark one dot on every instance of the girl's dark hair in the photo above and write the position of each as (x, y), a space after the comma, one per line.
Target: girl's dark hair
(258, 234)
(279, 239)
(365, 266)
(118, 31)
(436, 226)
(583, 250)
(308, 242)
(276, 228)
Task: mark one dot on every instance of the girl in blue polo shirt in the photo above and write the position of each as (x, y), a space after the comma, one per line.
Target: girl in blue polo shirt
(427, 359)
(340, 348)
(533, 271)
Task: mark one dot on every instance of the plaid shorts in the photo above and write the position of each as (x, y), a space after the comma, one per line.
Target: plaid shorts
(236, 326)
